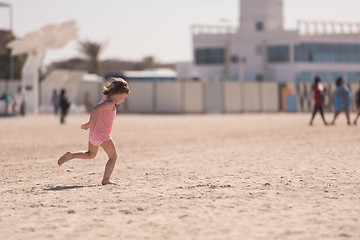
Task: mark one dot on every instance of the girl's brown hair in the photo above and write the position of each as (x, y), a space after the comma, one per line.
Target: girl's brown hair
(116, 86)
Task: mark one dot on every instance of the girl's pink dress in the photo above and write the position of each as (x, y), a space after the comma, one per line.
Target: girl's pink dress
(100, 131)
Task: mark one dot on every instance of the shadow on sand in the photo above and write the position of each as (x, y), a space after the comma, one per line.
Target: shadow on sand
(60, 188)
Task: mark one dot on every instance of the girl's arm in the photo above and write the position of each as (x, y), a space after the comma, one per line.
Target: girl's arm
(342, 95)
(107, 106)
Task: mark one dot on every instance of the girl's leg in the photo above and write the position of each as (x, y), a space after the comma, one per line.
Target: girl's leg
(335, 116)
(90, 154)
(62, 115)
(356, 118)
(110, 150)
(322, 115)
(313, 115)
(347, 112)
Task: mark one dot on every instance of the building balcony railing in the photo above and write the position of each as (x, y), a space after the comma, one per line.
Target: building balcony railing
(212, 29)
(313, 27)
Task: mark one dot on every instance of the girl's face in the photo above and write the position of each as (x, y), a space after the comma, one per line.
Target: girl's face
(119, 98)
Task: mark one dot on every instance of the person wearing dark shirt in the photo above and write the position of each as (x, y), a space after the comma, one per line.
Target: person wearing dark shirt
(318, 100)
(64, 105)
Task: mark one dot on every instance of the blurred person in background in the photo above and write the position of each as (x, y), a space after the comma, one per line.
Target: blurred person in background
(87, 103)
(357, 104)
(64, 105)
(342, 101)
(55, 101)
(19, 102)
(318, 99)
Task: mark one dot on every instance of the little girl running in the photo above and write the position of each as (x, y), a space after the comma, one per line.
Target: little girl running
(100, 124)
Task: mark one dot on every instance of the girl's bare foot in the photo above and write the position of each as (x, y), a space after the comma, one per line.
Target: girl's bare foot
(64, 158)
(106, 181)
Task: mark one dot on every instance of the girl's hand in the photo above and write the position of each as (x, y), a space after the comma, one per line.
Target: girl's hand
(85, 126)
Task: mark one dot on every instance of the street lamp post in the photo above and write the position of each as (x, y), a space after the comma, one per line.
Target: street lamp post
(228, 62)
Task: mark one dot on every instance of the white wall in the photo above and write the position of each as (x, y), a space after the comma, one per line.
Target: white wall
(95, 92)
(169, 97)
(270, 12)
(252, 93)
(141, 97)
(214, 97)
(193, 97)
(200, 97)
(270, 96)
(232, 97)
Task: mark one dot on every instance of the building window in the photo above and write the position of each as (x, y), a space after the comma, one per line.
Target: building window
(209, 56)
(335, 75)
(353, 77)
(278, 54)
(259, 26)
(259, 77)
(234, 59)
(324, 52)
(303, 77)
(323, 76)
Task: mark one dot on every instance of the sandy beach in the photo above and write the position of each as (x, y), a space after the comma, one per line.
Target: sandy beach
(246, 176)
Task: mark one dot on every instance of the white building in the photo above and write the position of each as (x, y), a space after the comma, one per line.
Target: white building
(261, 49)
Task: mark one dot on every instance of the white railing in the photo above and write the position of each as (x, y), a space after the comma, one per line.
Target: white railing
(312, 27)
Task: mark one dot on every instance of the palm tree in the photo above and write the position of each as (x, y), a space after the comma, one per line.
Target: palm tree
(5, 54)
(91, 50)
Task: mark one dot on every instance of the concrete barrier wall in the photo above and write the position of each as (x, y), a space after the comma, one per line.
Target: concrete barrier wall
(309, 103)
(252, 97)
(304, 96)
(207, 97)
(232, 97)
(141, 99)
(200, 97)
(169, 97)
(214, 97)
(270, 101)
(193, 97)
(328, 96)
(95, 92)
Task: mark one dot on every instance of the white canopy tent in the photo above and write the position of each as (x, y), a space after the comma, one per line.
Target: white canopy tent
(151, 74)
(34, 45)
(76, 84)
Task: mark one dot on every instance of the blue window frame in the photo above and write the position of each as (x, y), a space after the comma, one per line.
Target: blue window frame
(205, 56)
(303, 77)
(353, 77)
(335, 75)
(278, 54)
(323, 76)
(325, 52)
(259, 26)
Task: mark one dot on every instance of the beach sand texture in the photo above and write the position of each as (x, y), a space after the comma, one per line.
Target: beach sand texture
(250, 176)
